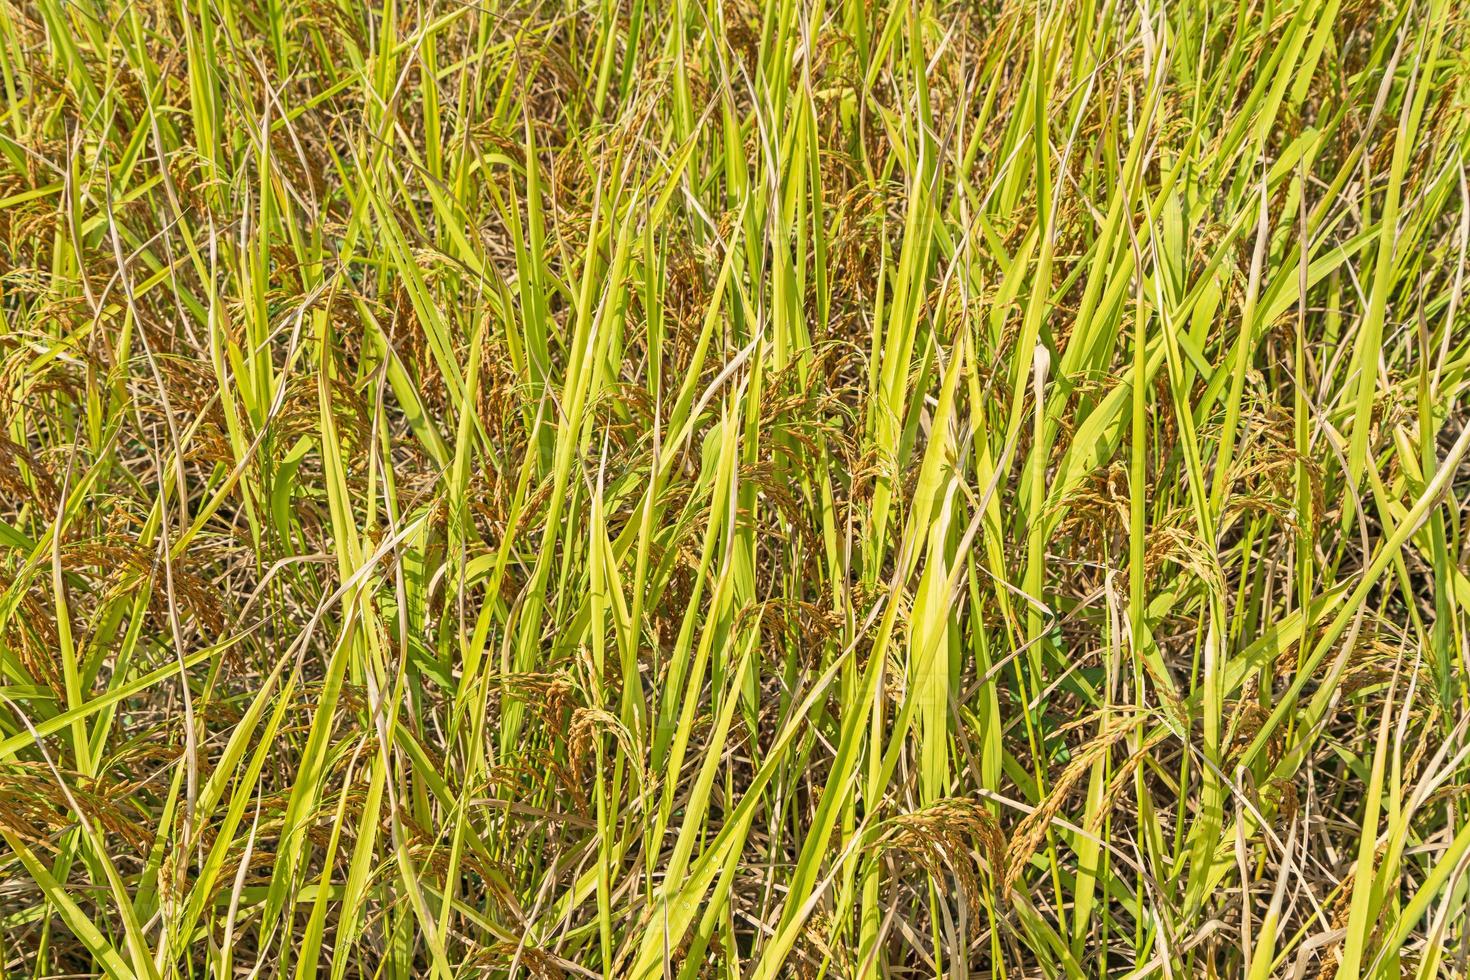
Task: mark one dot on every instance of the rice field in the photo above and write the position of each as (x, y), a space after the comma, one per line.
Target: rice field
(734, 488)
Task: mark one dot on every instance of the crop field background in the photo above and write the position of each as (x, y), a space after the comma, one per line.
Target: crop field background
(734, 488)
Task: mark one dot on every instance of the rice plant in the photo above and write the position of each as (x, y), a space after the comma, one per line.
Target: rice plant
(734, 488)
